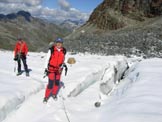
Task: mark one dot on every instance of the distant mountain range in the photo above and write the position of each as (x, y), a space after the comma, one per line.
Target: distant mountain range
(11, 16)
(36, 32)
(72, 24)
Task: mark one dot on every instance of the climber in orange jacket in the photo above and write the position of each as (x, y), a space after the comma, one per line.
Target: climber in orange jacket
(53, 67)
(20, 53)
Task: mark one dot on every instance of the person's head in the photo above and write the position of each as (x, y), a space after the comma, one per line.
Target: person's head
(20, 40)
(59, 42)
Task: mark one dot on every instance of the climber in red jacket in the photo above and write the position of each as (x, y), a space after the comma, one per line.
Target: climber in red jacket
(53, 67)
(20, 53)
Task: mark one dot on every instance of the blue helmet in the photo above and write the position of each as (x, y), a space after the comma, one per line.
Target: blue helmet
(59, 40)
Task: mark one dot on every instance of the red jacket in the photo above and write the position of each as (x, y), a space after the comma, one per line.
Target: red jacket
(21, 47)
(56, 59)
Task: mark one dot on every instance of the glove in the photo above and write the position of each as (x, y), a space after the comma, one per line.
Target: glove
(61, 68)
(15, 58)
(46, 72)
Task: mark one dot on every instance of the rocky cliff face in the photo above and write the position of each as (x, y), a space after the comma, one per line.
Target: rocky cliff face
(121, 27)
(109, 14)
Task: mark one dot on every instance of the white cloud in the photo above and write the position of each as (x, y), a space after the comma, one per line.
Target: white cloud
(36, 9)
(27, 2)
(64, 5)
(62, 15)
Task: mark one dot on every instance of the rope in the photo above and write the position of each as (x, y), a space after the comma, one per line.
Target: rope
(64, 107)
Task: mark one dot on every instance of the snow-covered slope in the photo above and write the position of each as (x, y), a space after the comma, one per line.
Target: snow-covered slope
(21, 97)
(138, 97)
(15, 90)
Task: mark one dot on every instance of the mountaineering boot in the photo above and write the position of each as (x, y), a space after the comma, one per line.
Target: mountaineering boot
(45, 100)
(19, 73)
(27, 74)
(54, 97)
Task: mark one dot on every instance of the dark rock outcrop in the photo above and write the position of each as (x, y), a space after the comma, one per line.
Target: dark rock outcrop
(11, 16)
(107, 15)
(121, 27)
(2, 16)
(26, 15)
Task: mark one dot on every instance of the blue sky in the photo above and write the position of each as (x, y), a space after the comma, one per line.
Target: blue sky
(58, 10)
(82, 5)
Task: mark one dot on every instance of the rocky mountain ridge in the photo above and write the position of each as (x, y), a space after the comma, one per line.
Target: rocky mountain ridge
(36, 32)
(111, 14)
(72, 24)
(12, 16)
(121, 27)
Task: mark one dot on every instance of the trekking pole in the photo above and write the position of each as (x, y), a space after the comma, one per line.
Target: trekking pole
(17, 59)
(15, 67)
(44, 75)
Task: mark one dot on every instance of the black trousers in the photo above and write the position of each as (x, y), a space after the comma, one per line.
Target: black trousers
(24, 63)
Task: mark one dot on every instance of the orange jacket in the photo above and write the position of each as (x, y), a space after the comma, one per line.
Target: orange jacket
(21, 47)
(56, 59)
